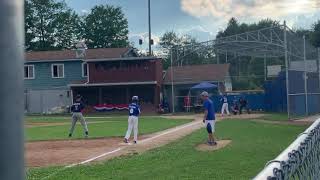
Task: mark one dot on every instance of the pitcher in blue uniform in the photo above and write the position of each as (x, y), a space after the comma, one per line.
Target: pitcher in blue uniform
(76, 110)
(134, 112)
(209, 117)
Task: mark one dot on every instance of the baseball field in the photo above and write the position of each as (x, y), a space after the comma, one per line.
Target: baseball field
(167, 150)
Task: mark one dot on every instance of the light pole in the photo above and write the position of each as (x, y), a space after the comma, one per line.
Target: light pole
(149, 20)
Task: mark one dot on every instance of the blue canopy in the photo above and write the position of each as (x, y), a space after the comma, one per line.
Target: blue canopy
(204, 85)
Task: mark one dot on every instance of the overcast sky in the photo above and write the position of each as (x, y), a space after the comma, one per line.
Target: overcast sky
(204, 18)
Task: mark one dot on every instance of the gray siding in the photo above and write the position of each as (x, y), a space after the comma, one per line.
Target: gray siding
(43, 76)
(42, 101)
(44, 92)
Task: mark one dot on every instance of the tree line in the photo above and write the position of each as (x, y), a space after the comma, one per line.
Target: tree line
(52, 25)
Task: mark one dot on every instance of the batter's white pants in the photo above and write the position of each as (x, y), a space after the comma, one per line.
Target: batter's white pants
(132, 124)
(225, 107)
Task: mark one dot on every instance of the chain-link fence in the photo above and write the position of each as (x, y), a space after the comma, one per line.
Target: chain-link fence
(303, 77)
(275, 60)
(301, 160)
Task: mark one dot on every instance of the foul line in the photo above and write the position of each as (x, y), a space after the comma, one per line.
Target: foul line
(142, 141)
(169, 131)
(94, 158)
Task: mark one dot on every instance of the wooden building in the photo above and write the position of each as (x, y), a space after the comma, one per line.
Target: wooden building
(115, 80)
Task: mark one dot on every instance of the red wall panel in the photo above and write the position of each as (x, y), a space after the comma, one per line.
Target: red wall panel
(149, 71)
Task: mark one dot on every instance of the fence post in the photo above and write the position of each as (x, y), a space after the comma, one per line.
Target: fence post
(305, 76)
(226, 57)
(318, 66)
(287, 67)
(218, 57)
(11, 91)
(265, 67)
(318, 63)
(172, 90)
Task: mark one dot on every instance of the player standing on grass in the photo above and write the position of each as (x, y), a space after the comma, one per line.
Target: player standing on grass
(76, 110)
(209, 117)
(134, 112)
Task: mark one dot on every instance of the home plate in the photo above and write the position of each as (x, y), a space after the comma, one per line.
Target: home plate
(221, 144)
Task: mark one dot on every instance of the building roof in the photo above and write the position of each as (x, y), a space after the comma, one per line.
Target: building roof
(197, 73)
(102, 53)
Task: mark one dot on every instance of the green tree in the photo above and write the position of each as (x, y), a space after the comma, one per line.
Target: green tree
(29, 25)
(68, 29)
(234, 27)
(185, 50)
(265, 23)
(246, 72)
(303, 32)
(231, 29)
(169, 39)
(49, 25)
(106, 27)
(315, 34)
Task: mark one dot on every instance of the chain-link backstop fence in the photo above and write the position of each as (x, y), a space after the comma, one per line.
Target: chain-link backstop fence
(304, 77)
(275, 63)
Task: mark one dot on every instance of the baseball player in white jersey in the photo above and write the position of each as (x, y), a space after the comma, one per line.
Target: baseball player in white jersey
(134, 112)
(225, 105)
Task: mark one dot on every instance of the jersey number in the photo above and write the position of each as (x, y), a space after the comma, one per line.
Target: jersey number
(131, 111)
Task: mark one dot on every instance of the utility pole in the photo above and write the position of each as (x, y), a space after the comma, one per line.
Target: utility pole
(149, 19)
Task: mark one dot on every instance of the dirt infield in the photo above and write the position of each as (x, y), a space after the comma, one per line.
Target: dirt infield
(310, 119)
(50, 153)
(74, 152)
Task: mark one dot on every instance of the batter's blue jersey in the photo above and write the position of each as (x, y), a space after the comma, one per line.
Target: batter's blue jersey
(134, 109)
(224, 99)
(77, 107)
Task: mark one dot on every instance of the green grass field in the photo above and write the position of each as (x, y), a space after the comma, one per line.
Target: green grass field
(100, 127)
(275, 117)
(253, 144)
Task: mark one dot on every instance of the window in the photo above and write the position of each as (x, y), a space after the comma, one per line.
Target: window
(84, 70)
(29, 72)
(57, 70)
